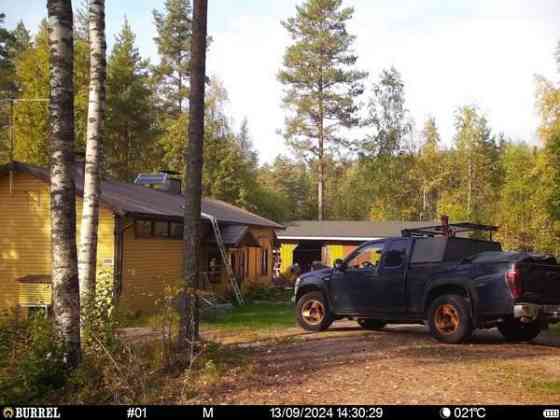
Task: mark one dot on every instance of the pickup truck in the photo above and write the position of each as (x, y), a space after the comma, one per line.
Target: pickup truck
(430, 275)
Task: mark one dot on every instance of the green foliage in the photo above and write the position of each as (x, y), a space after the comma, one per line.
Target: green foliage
(475, 172)
(289, 186)
(174, 33)
(32, 79)
(130, 146)
(31, 360)
(98, 316)
(388, 116)
(268, 294)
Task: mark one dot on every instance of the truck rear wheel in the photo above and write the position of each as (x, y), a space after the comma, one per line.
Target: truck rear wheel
(313, 313)
(514, 330)
(449, 319)
(371, 324)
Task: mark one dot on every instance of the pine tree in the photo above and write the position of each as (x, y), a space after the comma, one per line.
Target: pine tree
(321, 82)
(174, 29)
(66, 295)
(130, 117)
(194, 155)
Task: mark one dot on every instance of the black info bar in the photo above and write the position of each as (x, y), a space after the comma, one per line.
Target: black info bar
(192, 412)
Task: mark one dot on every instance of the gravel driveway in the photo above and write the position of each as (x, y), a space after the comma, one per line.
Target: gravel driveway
(398, 365)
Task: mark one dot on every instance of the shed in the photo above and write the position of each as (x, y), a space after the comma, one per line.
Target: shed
(306, 241)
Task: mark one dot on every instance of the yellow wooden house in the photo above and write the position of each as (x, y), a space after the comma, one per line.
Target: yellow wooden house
(140, 232)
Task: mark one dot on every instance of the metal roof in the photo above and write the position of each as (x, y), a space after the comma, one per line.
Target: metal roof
(127, 198)
(345, 230)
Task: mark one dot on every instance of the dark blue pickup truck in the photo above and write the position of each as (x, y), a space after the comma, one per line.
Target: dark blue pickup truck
(434, 275)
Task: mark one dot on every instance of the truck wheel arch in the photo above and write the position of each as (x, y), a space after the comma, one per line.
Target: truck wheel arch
(310, 288)
(452, 289)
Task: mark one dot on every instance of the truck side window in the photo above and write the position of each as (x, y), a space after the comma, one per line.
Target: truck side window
(395, 254)
(367, 258)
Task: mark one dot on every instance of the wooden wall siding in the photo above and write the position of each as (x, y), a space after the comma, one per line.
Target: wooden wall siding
(286, 255)
(333, 252)
(265, 238)
(149, 265)
(25, 240)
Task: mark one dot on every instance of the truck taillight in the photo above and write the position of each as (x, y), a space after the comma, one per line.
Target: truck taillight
(513, 280)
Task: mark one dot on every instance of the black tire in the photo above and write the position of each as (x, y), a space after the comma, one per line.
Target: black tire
(371, 324)
(449, 319)
(514, 330)
(309, 315)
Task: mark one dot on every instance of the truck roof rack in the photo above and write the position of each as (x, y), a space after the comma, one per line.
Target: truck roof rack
(450, 229)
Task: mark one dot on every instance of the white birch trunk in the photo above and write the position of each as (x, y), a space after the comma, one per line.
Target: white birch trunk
(66, 297)
(87, 261)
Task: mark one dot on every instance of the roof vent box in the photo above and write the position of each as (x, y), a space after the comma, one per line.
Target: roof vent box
(164, 180)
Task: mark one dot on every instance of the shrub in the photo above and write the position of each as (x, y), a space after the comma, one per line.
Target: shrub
(31, 360)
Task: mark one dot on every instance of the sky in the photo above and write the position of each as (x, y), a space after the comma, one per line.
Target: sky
(449, 53)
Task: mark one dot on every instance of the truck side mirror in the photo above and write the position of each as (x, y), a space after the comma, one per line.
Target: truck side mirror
(339, 265)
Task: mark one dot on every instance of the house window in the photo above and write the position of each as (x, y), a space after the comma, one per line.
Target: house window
(161, 229)
(143, 229)
(176, 230)
(158, 229)
(264, 261)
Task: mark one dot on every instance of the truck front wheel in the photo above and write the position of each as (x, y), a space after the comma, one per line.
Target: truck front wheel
(514, 330)
(449, 319)
(313, 313)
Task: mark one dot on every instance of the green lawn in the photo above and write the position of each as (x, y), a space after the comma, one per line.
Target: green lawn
(256, 316)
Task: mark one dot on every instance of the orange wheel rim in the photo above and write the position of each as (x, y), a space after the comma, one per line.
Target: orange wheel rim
(313, 312)
(447, 319)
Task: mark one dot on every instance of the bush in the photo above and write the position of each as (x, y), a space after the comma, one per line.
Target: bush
(31, 360)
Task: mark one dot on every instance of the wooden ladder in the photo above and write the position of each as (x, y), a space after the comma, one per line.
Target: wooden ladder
(225, 259)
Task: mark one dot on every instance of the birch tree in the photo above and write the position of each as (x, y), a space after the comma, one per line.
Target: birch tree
(66, 296)
(87, 262)
(188, 328)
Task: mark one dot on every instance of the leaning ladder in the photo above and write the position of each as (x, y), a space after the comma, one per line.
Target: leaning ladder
(225, 259)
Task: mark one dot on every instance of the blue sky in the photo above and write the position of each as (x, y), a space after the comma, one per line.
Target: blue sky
(450, 53)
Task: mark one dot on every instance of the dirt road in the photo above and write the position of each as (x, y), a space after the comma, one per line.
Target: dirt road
(398, 365)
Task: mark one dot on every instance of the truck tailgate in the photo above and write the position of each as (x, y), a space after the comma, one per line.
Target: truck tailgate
(540, 282)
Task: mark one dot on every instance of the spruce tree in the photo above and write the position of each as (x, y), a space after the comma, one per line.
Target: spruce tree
(174, 37)
(321, 82)
(129, 124)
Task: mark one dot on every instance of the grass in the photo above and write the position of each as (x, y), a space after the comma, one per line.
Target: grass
(256, 316)
(555, 329)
